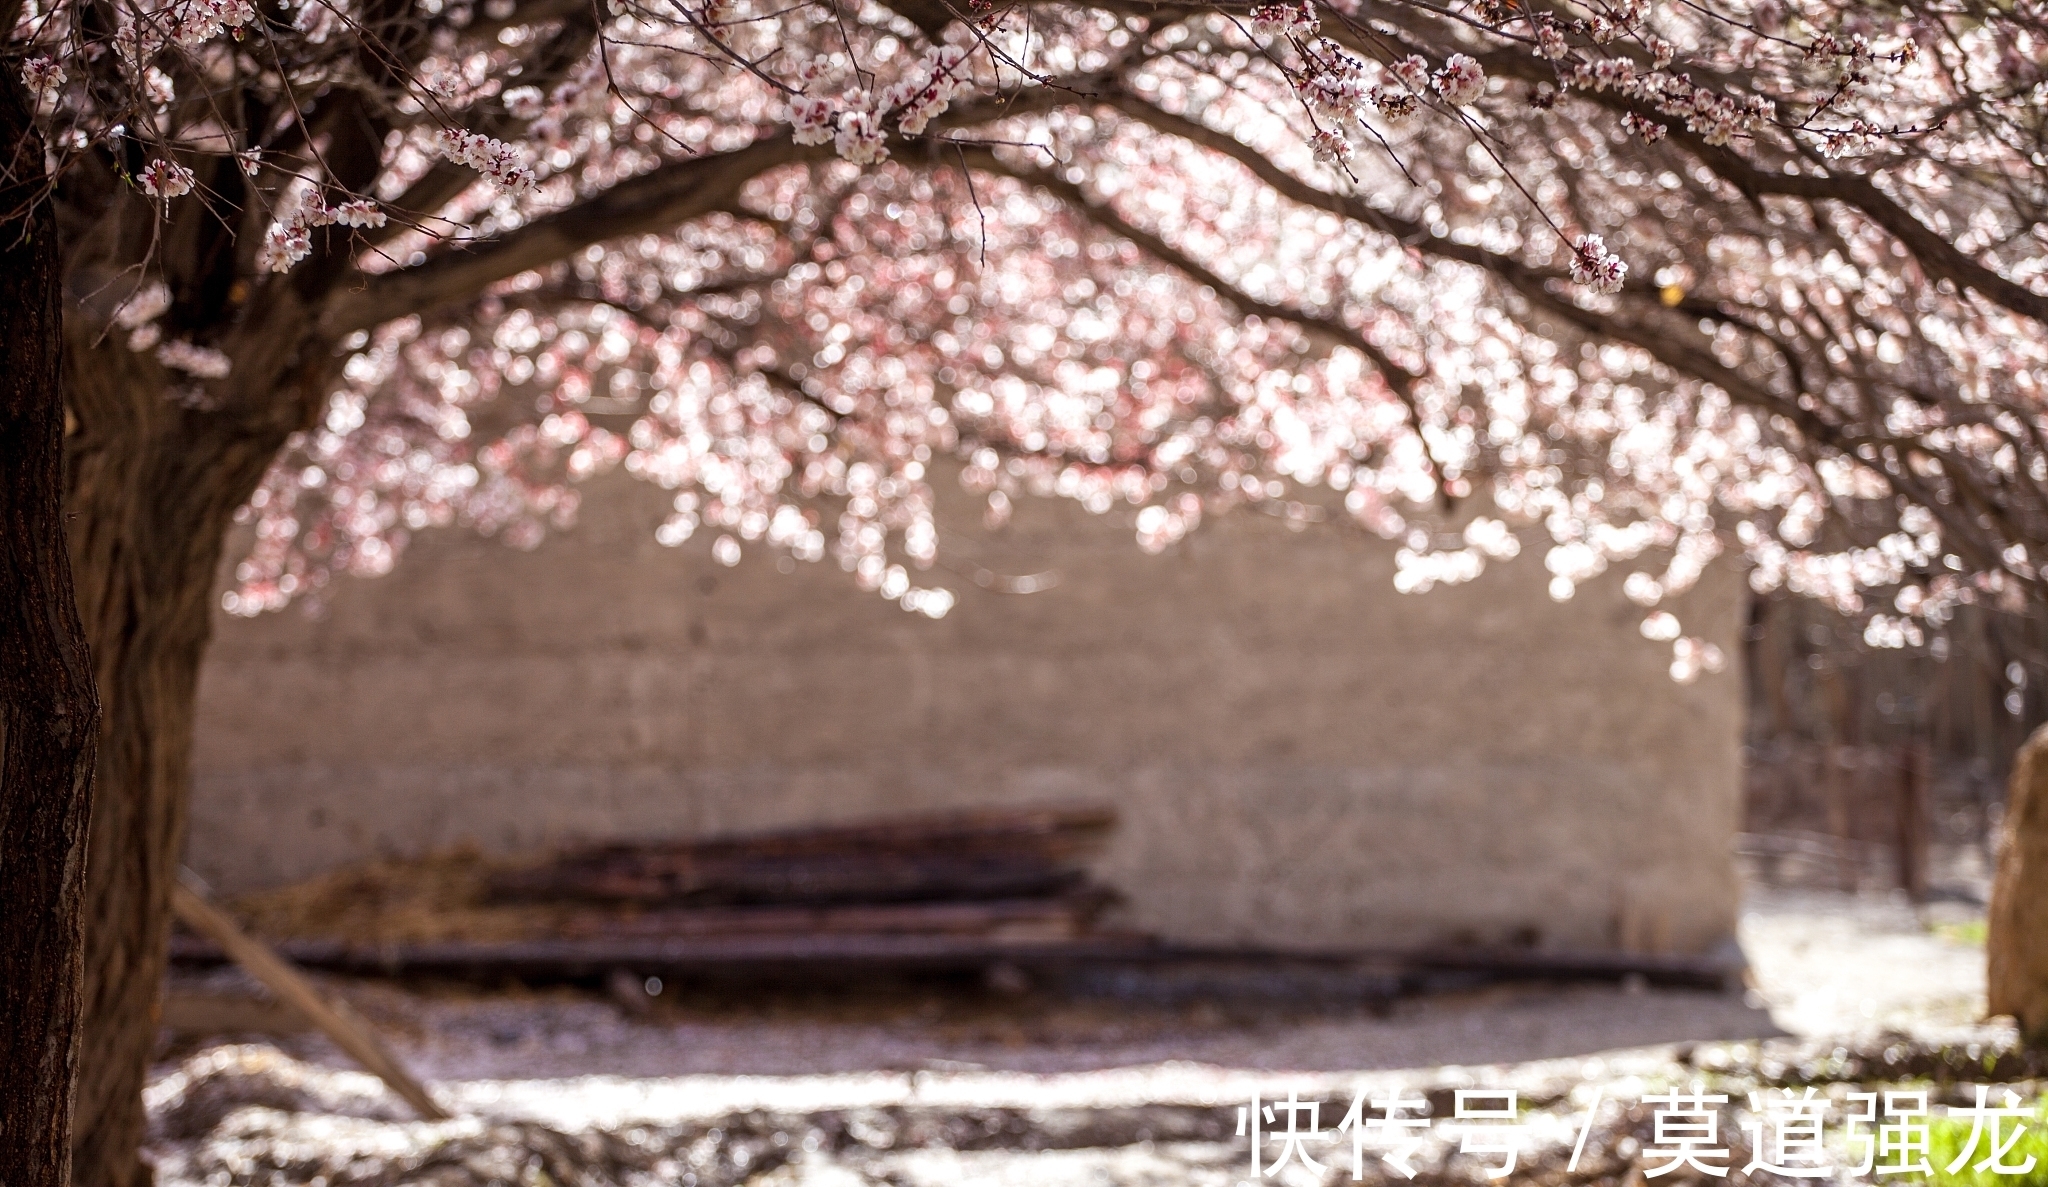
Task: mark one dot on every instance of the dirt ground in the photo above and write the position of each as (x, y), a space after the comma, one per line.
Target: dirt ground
(837, 1089)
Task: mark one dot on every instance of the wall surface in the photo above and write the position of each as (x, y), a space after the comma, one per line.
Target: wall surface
(1301, 755)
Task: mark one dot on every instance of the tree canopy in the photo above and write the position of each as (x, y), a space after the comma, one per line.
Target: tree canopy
(1670, 280)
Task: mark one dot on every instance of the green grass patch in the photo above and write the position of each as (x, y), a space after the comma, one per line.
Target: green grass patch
(1947, 1136)
(1969, 932)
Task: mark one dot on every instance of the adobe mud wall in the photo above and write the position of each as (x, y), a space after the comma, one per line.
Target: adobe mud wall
(1302, 756)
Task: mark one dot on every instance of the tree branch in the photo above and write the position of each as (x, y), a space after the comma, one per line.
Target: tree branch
(670, 195)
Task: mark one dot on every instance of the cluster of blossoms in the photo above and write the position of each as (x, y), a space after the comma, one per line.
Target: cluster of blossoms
(1596, 267)
(193, 23)
(290, 239)
(920, 99)
(1716, 118)
(1852, 141)
(1335, 87)
(1286, 20)
(1336, 90)
(1411, 72)
(489, 156)
(854, 124)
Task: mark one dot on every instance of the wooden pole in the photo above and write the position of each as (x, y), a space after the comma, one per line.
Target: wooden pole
(333, 1019)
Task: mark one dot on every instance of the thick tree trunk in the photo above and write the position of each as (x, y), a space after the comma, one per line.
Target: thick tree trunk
(48, 713)
(154, 485)
(2017, 938)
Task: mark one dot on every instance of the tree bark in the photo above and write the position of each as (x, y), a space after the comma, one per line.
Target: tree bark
(154, 485)
(48, 710)
(2016, 941)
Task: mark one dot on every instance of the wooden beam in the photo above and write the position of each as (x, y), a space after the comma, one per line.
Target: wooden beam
(332, 1018)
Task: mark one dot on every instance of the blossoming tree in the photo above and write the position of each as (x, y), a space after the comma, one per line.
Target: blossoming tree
(1655, 283)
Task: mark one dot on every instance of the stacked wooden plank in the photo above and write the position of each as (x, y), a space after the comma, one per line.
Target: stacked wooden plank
(932, 888)
(952, 890)
(1035, 854)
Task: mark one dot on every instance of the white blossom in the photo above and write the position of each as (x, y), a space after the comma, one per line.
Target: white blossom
(289, 240)
(1851, 141)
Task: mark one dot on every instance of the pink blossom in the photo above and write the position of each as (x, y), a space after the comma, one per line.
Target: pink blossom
(1596, 267)
(359, 213)
(290, 239)
(859, 138)
(524, 103)
(1330, 147)
(1649, 130)
(1332, 96)
(203, 362)
(1461, 81)
(166, 179)
(1285, 20)
(1412, 71)
(195, 22)
(810, 119)
(43, 78)
(1851, 141)
(489, 156)
(1395, 105)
